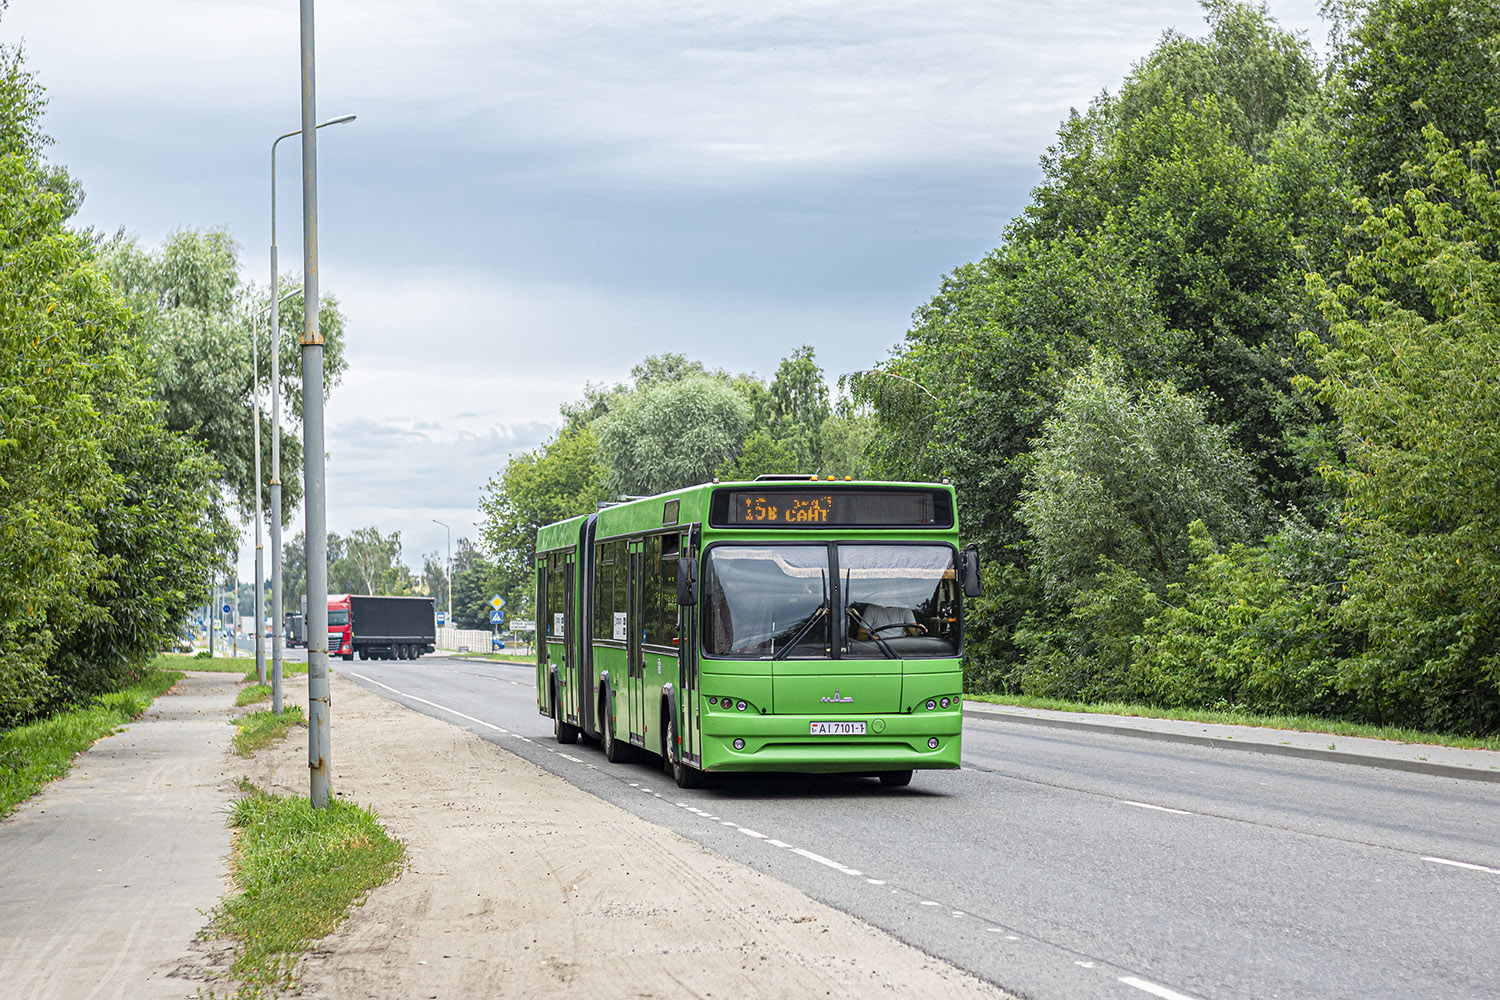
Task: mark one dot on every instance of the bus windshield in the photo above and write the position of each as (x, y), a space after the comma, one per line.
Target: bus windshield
(774, 601)
(899, 600)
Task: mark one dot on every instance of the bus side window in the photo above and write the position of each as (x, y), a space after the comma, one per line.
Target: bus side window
(541, 608)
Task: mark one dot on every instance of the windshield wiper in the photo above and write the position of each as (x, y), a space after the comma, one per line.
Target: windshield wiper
(885, 647)
(820, 612)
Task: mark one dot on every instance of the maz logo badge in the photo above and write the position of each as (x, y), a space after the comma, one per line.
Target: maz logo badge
(836, 700)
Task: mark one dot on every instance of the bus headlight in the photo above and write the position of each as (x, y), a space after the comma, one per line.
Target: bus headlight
(739, 744)
(932, 744)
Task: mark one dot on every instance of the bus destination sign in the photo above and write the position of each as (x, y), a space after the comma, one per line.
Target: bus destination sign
(814, 508)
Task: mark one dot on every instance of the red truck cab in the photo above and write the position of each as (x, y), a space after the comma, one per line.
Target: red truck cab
(340, 634)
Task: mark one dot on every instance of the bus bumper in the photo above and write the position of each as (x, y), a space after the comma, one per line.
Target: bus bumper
(786, 743)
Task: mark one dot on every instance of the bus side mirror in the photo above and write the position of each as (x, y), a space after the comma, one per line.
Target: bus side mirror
(973, 587)
(687, 581)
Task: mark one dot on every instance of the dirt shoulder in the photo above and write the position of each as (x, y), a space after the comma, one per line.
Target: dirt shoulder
(519, 885)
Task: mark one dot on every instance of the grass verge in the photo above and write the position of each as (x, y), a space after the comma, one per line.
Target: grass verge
(252, 694)
(299, 870)
(261, 729)
(1298, 723)
(288, 669)
(193, 661)
(34, 754)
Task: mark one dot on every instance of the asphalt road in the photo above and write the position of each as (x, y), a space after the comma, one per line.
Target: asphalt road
(1076, 865)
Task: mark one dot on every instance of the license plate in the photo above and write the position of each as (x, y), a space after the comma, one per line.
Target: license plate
(837, 728)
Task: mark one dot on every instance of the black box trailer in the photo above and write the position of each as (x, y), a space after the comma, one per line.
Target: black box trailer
(381, 628)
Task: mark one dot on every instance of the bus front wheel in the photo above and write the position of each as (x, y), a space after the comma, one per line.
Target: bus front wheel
(672, 762)
(895, 779)
(560, 729)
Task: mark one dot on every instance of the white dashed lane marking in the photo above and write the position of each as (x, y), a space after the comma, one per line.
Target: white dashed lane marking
(1147, 805)
(1155, 989)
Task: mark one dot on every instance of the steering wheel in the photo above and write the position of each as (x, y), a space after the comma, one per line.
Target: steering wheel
(921, 629)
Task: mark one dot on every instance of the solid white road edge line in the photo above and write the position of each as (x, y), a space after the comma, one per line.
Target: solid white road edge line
(441, 708)
(1463, 864)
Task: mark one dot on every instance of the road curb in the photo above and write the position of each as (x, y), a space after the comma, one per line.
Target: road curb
(1253, 746)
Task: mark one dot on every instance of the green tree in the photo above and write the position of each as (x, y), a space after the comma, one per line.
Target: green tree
(1251, 627)
(105, 535)
(563, 478)
(845, 440)
(1408, 64)
(797, 406)
(477, 578)
(293, 572)
(1415, 324)
(760, 455)
(1118, 476)
(671, 434)
(193, 314)
(434, 578)
(368, 562)
(1259, 74)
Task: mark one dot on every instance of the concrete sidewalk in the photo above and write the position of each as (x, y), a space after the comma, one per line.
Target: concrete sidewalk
(1422, 758)
(108, 874)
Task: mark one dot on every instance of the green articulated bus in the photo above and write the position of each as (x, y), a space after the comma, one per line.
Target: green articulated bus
(785, 624)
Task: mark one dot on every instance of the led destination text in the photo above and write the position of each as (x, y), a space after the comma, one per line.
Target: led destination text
(807, 508)
(791, 510)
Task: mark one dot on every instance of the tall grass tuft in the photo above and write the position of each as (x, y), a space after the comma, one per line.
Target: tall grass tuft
(261, 729)
(299, 870)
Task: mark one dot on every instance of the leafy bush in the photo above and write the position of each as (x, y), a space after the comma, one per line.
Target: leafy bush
(1241, 632)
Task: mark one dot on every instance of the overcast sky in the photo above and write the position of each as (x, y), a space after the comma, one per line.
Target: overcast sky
(539, 193)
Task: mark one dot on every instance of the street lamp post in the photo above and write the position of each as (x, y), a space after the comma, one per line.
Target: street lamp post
(315, 505)
(277, 614)
(450, 570)
(260, 567)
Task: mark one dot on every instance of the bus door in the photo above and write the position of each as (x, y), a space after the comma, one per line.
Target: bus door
(687, 652)
(567, 678)
(635, 622)
(588, 692)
